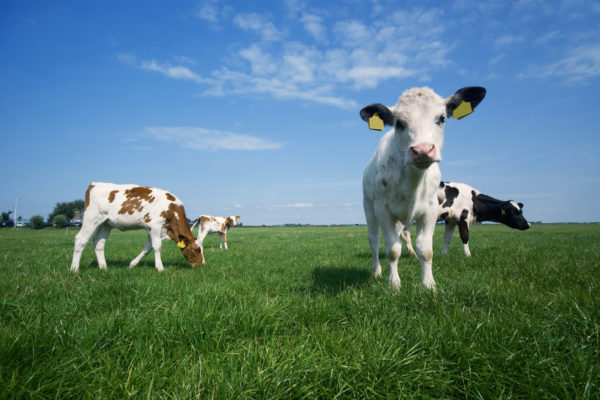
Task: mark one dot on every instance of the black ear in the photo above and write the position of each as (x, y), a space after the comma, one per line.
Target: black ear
(520, 205)
(383, 111)
(471, 94)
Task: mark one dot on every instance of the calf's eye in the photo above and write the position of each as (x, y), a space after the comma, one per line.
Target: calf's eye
(401, 125)
(441, 120)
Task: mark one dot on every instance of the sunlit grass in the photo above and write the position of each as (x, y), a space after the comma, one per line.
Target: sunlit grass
(294, 313)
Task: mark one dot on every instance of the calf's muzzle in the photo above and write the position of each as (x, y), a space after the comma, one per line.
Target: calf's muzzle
(422, 154)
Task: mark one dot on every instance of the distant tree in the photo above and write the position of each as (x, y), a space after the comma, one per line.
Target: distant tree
(37, 222)
(5, 216)
(68, 209)
(59, 220)
(5, 219)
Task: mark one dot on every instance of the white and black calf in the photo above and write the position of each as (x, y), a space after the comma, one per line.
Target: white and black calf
(400, 181)
(127, 207)
(218, 225)
(462, 205)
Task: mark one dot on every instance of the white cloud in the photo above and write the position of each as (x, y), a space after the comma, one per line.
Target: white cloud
(175, 72)
(260, 62)
(259, 24)
(212, 11)
(209, 139)
(507, 40)
(127, 59)
(582, 63)
(399, 45)
(294, 205)
(313, 25)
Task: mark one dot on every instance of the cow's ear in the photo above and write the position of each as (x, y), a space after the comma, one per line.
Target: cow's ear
(464, 101)
(520, 205)
(384, 113)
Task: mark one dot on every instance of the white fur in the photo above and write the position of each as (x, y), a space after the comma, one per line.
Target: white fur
(218, 225)
(396, 191)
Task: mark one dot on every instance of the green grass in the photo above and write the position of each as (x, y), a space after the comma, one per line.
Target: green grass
(294, 313)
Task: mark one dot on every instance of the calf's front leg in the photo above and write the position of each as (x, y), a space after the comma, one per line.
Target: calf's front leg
(424, 242)
(146, 250)
(393, 249)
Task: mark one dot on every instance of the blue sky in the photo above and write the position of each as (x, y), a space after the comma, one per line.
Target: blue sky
(251, 107)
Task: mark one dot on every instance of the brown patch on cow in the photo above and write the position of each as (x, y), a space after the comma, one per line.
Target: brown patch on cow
(134, 198)
(204, 220)
(427, 255)
(87, 197)
(170, 197)
(178, 230)
(111, 196)
(229, 222)
(147, 218)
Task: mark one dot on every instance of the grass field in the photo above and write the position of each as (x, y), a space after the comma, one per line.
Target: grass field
(294, 313)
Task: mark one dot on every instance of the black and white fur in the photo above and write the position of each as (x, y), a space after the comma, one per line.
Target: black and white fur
(462, 205)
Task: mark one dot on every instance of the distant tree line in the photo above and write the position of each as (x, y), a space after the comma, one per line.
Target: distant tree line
(60, 217)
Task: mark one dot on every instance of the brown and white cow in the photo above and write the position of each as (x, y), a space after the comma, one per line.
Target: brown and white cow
(218, 225)
(127, 207)
(400, 181)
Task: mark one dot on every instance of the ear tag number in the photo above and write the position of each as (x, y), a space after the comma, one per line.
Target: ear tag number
(376, 123)
(462, 110)
(181, 244)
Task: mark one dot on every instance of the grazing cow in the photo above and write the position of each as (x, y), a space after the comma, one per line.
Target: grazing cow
(463, 205)
(401, 179)
(218, 225)
(128, 207)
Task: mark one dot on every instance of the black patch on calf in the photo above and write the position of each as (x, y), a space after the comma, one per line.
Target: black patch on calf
(463, 226)
(444, 215)
(463, 229)
(451, 194)
(442, 184)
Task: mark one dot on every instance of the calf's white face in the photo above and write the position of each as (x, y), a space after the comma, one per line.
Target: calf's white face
(418, 120)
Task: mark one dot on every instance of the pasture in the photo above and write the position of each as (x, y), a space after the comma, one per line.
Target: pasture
(293, 313)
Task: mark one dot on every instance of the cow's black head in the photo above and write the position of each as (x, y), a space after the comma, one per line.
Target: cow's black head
(512, 215)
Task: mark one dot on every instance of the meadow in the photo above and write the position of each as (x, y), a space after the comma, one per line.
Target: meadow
(292, 312)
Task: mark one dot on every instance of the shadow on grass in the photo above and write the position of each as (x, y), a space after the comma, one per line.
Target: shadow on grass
(333, 280)
(122, 263)
(366, 255)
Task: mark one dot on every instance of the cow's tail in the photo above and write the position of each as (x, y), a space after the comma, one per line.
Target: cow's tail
(195, 223)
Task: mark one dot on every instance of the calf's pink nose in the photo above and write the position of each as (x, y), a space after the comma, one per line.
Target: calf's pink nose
(422, 150)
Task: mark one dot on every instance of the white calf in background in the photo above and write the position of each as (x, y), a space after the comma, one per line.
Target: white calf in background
(218, 225)
(127, 207)
(400, 181)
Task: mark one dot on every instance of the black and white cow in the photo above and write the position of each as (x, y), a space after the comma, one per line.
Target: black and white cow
(462, 205)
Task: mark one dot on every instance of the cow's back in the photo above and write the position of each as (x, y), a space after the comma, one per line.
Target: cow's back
(129, 206)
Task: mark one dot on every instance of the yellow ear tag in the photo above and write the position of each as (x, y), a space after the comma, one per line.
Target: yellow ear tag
(237, 218)
(181, 244)
(502, 211)
(376, 123)
(462, 110)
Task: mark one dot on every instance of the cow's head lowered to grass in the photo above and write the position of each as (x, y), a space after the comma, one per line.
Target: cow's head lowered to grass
(418, 119)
